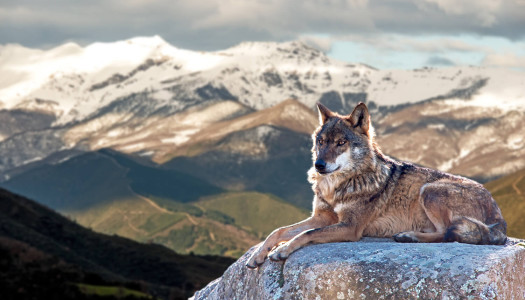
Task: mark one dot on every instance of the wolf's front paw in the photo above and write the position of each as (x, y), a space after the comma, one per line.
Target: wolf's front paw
(406, 237)
(257, 258)
(280, 253)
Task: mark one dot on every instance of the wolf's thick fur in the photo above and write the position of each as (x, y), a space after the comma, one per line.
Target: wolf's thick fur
(361, 192)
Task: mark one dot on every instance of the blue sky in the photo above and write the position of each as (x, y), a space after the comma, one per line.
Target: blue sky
(434, 50)
(386, 34)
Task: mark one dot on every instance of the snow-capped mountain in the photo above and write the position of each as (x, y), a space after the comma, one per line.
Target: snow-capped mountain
(76, 81)
(143, 96)
(227, 131)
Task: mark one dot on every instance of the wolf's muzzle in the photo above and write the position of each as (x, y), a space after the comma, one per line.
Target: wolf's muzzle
(320, 165)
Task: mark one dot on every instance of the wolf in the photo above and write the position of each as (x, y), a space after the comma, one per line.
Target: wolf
(359, 192)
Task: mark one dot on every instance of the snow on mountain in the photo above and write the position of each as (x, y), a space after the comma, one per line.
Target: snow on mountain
(145, 96)
(82, 80)
(65, 73)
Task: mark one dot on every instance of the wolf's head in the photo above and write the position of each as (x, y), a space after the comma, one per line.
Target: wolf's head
(344, 143)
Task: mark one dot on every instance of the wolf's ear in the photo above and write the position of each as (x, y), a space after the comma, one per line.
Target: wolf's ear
(360, 118)
(324, 113)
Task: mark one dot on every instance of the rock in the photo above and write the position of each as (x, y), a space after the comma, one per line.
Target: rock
(380, 269)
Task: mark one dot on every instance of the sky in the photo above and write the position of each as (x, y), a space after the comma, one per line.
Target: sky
(386, 34)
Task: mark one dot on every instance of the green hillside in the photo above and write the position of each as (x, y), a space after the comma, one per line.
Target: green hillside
(43, 255)
(112, 193)
(254, 212)
(224, 224)
(186, 230)
(155, 181)
(509, 192)
(79, 183)
(104, 176)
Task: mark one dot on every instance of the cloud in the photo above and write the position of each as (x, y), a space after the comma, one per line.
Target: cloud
(439, 61)
(222, 23)
(321, 43)
(433, 44)
(429, 28)
(484, 11)
(505, 60)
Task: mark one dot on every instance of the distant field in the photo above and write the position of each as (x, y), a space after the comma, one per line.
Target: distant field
(224, 224)
(255, 212)
(509, 192)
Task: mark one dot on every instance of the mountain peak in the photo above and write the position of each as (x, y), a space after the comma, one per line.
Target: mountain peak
(66, 49)
(286, 50)
(254, 45)
(141, 41)
(155, 40)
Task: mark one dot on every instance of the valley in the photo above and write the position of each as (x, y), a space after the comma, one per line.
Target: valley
(114, 194)
(44, 254)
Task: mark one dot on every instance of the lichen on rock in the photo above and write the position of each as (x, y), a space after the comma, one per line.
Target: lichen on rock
(380, 269)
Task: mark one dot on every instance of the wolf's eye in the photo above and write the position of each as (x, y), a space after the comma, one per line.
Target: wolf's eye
(341, 142)
(320, 141)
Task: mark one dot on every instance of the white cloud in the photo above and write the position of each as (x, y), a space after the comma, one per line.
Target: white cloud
(484, 11)
(399, 42)
(227, 22)
(505, 60)
(319, 42)
(235, 13)
(429, 28)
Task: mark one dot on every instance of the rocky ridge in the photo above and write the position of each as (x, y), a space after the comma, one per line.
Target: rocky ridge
(380, 269)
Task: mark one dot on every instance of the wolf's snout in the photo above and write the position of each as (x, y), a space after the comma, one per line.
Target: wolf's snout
(320, 165)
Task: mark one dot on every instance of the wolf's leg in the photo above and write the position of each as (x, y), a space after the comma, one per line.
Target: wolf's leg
(472, 231)
(463, 230)
(419, 237)
(457, 209)
(340, 232)
(319, 219)
(434, 200)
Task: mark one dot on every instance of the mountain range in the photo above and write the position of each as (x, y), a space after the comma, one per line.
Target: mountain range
(145, 97)
(199, 150)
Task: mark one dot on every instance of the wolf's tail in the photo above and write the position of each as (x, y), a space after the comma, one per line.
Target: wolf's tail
(472, 231)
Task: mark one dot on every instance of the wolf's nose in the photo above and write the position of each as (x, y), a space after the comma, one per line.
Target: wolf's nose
(320, 165)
